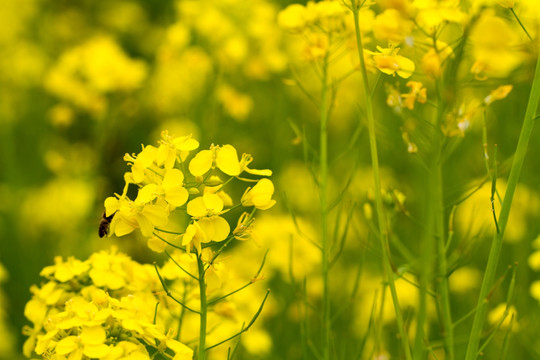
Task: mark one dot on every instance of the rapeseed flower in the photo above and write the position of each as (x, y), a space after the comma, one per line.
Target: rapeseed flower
(389, 62)
(260, 196)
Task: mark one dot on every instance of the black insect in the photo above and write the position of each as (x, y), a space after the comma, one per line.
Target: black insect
(104, 224)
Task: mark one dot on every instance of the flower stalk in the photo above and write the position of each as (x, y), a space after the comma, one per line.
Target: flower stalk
(203, 310)
(377, 182)
(323, 196)
(496, 244)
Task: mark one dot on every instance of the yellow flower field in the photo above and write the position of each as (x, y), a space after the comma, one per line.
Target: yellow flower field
(269, 179)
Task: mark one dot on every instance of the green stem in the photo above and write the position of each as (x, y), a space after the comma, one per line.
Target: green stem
(203, 311)
(444, 291)
(323, 182)
(521, 24)
(376, 179)
(496, 245)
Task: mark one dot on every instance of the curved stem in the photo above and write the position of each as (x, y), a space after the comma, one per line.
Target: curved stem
(377, 181)
(496, 245)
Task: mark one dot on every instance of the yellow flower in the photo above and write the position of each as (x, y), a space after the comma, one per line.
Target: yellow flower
(390, 26)
(225, 158)
(193, 237)
(244, 228)
(388, 62)
(499, 93)
(495, 45)
(89, 343)
(236, 104)
(417, 93)
(498, 314)
(206, 209)
(509, 4)
(435, 57)
(170, 146)
(129, 215)
(65, 271)
(141, 162)
(170, 189)
(293, 18)
(260, 195)
(206, 205)
(535, 290)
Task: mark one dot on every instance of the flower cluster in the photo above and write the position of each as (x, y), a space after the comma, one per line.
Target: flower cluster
(166, 181)
(101, 308)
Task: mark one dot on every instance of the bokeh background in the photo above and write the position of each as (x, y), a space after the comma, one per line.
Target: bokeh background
(82, 83)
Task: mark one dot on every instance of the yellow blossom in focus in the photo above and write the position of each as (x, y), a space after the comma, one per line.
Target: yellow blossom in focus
(225, 158)
(260, 196)
(129, 215)
(170, 147)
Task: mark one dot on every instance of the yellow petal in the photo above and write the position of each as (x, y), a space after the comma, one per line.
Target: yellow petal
(146, 194)
(157, 245)
(182, 352)
(96, 351)
(35, 311)
(227, 160)
(216, 228)
(93, 335)
(406, 67)
(201, 163)
(196, 207)
(213, 203)
(111, 205)
(177, 197)
(262, 172)
(166, 156)
(188, 235)
(144, 224)
(121, 226)
(173, 178)
(260, 195)
(157, 214)
(185, 143)
(66, 345)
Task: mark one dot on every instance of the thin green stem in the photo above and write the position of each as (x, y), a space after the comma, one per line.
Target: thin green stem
(203, 311)
(521, 24)
(377, 181)
(323, 197)
(496, 245)
(443, 285)
(246, 328)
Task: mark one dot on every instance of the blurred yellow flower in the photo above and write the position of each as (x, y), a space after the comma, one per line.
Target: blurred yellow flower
(499, 93)
(497, 315)
(418, 93)
(391, 27)
(389, 62)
